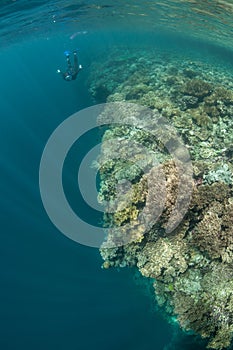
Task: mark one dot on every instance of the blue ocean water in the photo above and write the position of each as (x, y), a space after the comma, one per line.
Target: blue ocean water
(54, 294)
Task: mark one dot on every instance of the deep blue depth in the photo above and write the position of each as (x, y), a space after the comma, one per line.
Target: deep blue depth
(54, 294)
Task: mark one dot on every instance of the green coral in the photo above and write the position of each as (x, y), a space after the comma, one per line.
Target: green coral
(221, 174)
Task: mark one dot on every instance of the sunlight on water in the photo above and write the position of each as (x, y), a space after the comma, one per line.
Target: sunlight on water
(209, 20)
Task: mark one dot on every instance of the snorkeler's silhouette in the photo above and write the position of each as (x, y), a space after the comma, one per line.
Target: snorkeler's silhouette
(72, 70)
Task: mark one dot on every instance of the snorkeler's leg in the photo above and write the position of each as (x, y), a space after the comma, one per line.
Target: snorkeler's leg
(75, 61)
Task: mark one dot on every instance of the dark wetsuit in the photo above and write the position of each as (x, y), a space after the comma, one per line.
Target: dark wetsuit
(72, 70)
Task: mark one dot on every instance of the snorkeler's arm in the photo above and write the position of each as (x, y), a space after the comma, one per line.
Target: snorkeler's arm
(77, 66)
(68, 62)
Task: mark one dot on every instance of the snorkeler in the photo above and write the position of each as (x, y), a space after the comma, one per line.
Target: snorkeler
(72, 70)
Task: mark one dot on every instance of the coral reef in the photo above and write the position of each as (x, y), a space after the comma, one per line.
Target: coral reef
(192, 266)
(197, 88)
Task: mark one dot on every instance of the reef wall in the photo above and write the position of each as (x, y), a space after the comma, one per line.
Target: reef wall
(191, 266)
